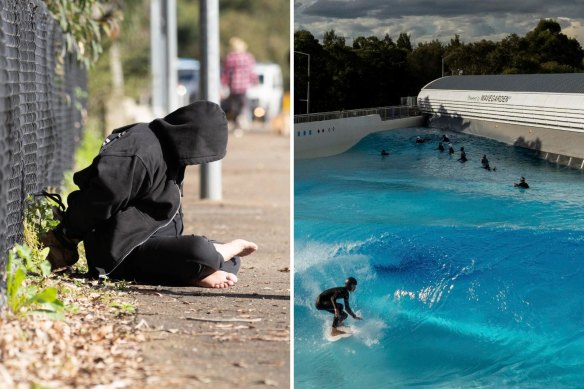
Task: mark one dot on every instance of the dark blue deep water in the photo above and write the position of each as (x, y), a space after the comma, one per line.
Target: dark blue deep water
(464, 280)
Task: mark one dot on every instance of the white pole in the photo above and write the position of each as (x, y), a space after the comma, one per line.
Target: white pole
(171, 57)
(307, 84)
(163, 56)
(157, 63)
(211, 185)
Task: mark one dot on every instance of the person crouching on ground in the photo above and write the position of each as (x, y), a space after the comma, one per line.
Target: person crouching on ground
(327, 301)
(128, 213)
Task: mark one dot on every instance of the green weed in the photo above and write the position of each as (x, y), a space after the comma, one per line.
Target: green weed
(123, 308)
(25, 295)
(39, 215)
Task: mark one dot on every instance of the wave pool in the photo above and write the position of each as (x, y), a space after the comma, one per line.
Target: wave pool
(464, 280)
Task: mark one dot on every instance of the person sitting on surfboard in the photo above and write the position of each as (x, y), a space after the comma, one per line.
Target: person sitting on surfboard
(327, 301)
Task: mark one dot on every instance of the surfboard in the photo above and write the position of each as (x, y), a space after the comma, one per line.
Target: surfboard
(333, 338)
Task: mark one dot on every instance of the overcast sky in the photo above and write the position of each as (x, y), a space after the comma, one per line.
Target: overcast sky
(426, 20)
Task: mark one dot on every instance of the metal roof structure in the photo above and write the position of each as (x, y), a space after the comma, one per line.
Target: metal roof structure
(542, 83)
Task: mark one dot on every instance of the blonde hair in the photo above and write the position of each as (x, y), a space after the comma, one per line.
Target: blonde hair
(237, 44)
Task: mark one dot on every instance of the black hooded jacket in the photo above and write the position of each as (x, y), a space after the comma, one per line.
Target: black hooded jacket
(132, 188)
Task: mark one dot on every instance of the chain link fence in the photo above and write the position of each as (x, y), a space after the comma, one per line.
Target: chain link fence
(40, 112)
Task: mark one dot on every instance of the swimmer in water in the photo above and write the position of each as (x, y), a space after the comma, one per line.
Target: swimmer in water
(450, 149)
(522, 183)
(384, 153)
(485, 163)
(327, 301)
(445, 138)
(440, 147)
(462, 155)
(420, 139)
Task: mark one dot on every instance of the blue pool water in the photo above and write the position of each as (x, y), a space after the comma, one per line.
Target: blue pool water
(464, 280)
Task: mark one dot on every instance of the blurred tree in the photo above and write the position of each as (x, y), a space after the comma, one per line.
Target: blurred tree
(374, 72)
(425, 62)
(268, 39)
(548, 43)
(331, 40)
(403, 42)
(134, 48)
(388, 42)
(478, 58)
(320, 79)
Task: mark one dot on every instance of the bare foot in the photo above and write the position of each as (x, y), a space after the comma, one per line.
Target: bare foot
(336, 332)
(237, 247)
(220, 279)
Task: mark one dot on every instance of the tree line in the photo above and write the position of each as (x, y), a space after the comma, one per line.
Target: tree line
(377, 72)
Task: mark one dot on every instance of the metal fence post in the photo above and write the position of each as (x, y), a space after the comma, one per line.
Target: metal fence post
(163, 56)
(211, 185)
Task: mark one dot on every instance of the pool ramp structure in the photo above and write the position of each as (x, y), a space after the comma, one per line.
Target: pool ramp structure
(540, 112)
(330, 133)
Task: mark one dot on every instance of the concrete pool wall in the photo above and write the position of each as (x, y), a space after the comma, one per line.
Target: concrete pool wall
(334, 136)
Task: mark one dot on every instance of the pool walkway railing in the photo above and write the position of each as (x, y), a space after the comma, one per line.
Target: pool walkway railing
(386, 113)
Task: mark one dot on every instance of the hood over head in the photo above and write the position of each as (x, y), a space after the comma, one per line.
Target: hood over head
(195, 133)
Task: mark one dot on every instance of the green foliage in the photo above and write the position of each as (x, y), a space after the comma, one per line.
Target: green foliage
(376, 72)
(39, 215)
(331, 40)
(25, 294)
(123, 308)
(404, 42)
(85, 22)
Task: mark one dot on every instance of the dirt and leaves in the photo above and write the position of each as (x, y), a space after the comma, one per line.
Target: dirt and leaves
(95, 343)
(64, 330)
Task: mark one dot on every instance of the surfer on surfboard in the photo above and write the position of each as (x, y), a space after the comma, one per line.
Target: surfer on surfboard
(327, 301)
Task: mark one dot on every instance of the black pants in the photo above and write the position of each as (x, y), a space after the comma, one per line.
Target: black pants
(172, 259)
(329, 308)
(237, 104)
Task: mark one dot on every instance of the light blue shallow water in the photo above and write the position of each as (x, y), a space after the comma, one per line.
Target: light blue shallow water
(464, 280)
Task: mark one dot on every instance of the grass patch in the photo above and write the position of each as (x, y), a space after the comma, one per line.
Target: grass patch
(84, 155)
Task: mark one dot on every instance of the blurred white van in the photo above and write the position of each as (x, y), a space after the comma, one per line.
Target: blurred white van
(188, 80)
(265, 97)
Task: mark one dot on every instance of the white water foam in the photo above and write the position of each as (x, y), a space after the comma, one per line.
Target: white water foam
(314, 253)
(368, 331)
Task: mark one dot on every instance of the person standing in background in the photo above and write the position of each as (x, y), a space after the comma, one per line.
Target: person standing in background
(238, 74)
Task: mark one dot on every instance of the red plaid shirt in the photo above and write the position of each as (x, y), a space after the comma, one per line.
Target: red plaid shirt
(238, 72)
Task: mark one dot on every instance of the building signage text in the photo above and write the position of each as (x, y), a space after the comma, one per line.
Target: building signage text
(490, 98)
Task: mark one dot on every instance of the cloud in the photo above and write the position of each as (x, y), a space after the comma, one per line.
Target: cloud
(394, 9)
(426, 20)
(574, 29)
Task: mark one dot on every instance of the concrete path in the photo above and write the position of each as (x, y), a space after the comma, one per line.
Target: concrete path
(237, 337)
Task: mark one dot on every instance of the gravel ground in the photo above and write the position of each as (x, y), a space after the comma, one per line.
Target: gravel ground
(236, 337)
